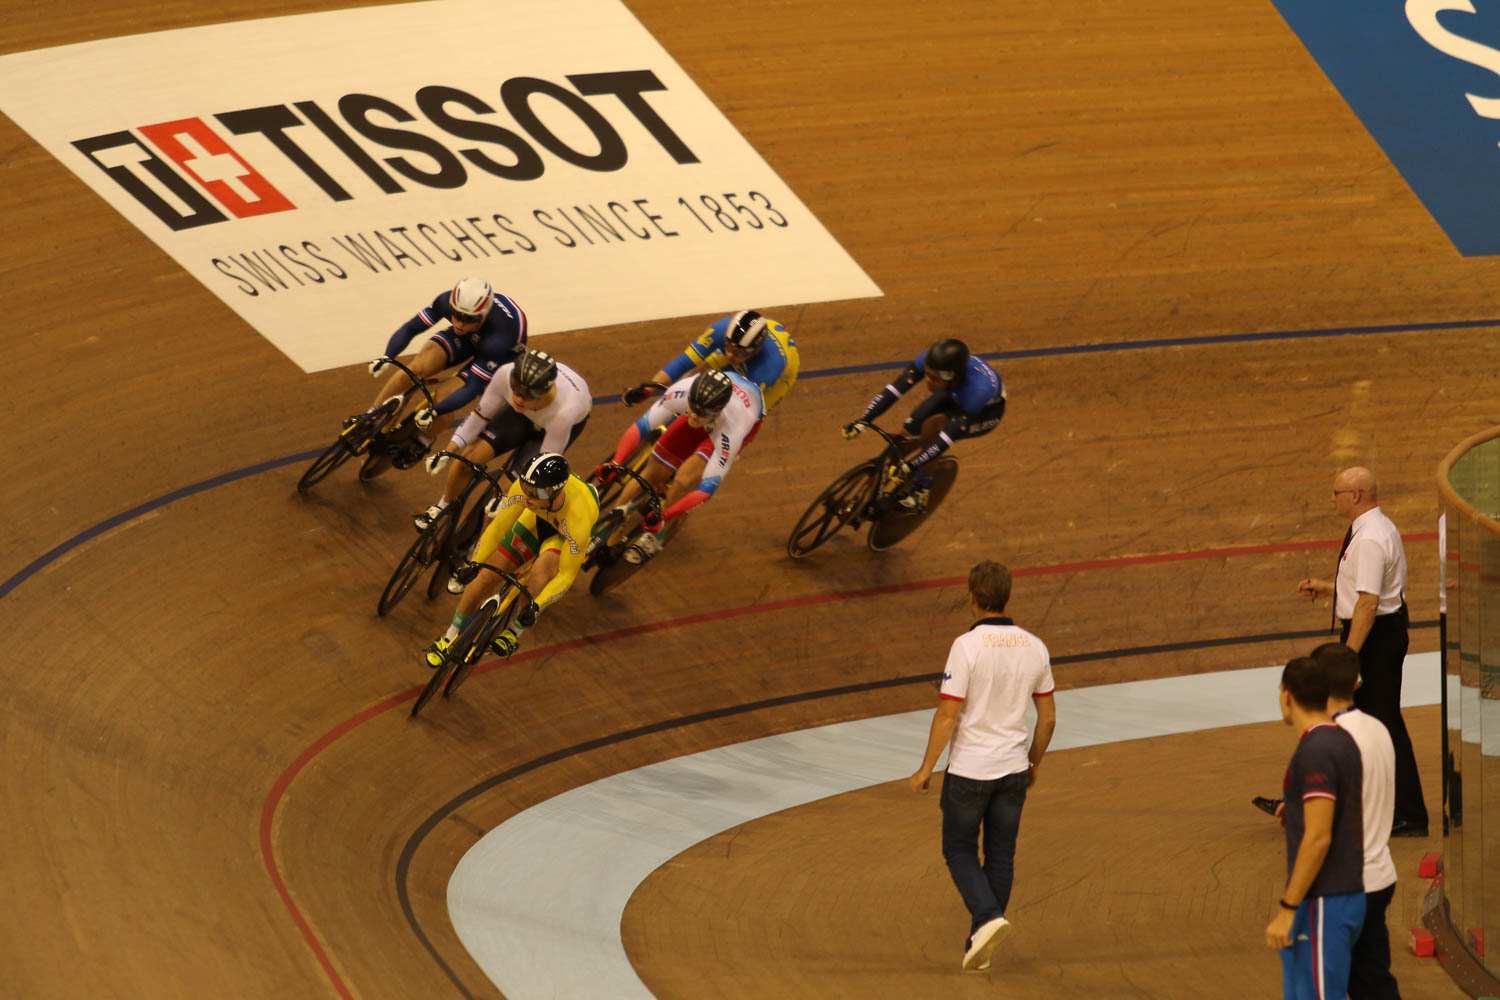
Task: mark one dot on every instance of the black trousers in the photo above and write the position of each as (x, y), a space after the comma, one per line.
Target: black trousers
(1370, 964)
(1379, 694)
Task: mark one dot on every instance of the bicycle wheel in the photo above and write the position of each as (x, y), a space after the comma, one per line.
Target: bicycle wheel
(444, 553)
(418, 557)
(462, 644)
(334, 456)
(617, 571)
(498, 622)
(895, 526)
(845, 497)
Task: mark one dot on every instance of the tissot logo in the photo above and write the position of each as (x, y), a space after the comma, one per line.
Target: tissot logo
(359, 135)
(326, 175)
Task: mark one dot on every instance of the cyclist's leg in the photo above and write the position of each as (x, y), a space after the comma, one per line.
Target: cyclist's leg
(431, 359)
(459, 474)
(687, 478)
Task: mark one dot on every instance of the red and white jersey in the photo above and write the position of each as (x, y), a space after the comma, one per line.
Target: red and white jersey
(727, 430)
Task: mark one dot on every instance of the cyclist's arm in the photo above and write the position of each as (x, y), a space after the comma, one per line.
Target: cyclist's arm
(568, 567)
(713, 476)
(494, 402)
(423, 320)
(887, 397)
(473, 384)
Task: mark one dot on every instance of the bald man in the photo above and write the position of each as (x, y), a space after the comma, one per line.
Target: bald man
(1369, 601)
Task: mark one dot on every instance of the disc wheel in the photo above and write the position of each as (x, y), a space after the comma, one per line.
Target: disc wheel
(897, 525)
(844, 498)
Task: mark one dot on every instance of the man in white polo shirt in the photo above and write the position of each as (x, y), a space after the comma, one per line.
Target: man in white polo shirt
(1370, 965)
(1369, 601)
(995, 671)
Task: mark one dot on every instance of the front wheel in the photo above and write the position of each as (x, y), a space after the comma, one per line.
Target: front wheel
(462, 645)
(897, 524)
(418, 557)
(334, 456)
(498, 622)
(835, 507)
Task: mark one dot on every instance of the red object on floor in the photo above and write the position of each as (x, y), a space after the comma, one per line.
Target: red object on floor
(1428, 866)
(1422, 943)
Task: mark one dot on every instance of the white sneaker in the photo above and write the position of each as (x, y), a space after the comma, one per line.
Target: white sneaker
(643, 548)
(914, 501)
(454, 587)
(983, 941)
(424, 520)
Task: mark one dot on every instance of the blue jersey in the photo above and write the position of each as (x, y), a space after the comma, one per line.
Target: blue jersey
(498, 340)
(980, 385)
(773, 368)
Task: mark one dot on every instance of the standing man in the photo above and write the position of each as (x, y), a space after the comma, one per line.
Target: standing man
(1319, 914)
(1369, 601)
(994, 671)
(1370, 966)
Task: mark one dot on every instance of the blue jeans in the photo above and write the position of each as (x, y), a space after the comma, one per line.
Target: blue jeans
(995, 806)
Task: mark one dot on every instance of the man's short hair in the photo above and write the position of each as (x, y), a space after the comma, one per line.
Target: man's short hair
(1341, 665)
(989, 582)
(1307, 682)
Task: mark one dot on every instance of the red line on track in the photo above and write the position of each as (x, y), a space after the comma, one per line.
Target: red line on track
(278, 790)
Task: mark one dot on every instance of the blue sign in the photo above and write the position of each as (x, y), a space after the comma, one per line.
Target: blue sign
(1424, 78)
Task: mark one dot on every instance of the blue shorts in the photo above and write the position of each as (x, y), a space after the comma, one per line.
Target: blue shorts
(1316, 966)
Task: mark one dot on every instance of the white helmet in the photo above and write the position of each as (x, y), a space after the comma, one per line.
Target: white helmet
(471, 299)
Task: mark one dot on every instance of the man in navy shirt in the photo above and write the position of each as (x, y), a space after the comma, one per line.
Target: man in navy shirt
(1322, 908)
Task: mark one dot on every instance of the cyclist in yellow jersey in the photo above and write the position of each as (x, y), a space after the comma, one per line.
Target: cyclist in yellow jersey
(546, 517)
(756, 346)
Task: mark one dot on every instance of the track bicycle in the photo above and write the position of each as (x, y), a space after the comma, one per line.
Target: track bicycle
(446, 541)
(872, 492)
(370, 434)
(494, 616)
(619, 528)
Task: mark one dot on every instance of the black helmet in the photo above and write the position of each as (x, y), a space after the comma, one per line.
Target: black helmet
(710, 393)
(534, 373)
(948, 359)
(747, 330)
(545, 476)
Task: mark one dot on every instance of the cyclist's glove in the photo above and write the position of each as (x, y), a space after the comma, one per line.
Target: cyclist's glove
(652, 521)
(466, 573)
(639, 393)
(605, 474)
(528, 615)
(425, 416)
(375, 367)
(853, 429)
(436, 463)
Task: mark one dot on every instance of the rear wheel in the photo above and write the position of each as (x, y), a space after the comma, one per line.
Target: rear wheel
(898, 524)
(616, 571)
(844, 498)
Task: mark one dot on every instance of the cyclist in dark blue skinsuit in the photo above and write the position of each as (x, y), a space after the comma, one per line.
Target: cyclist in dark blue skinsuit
(968, 400)
(485, 328)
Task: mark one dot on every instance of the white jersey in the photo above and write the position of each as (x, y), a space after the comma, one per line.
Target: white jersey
(556, 420)
(1377, 792)
(727, 430)
(996, 669)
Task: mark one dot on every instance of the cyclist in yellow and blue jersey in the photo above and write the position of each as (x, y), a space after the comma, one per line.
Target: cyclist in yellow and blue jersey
(753, 345)
(547, 516)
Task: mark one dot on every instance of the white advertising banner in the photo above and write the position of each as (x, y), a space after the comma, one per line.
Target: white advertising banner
(327, 175)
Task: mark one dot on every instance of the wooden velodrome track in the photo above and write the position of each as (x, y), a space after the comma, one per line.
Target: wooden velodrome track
(210, 776)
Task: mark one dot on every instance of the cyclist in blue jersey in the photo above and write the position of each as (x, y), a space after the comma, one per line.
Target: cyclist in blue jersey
(753, 345)
(967, 400)
(485, 329)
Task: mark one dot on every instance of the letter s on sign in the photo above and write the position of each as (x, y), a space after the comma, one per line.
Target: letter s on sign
(1423, 17)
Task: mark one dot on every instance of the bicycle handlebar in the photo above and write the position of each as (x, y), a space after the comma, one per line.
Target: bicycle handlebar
(509, 579)
(416, 380)
(653, 496)
(894, 440)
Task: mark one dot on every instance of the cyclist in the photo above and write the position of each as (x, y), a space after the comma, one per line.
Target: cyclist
(531, 405)
(967, 400)
(757, 347)
(546, 516)
(485, 329)
(716, 409)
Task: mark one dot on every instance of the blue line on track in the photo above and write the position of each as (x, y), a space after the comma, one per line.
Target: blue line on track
(40, 562)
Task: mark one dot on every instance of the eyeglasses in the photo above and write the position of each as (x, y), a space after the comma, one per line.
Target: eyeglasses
(544, 493)
(467, 317)
(938, 376)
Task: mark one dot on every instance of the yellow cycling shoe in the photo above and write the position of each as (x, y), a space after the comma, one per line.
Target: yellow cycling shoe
(437, 651)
